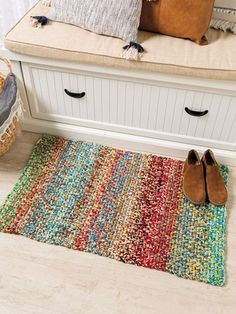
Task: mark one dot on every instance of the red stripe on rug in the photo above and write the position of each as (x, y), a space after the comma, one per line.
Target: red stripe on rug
(155, 214)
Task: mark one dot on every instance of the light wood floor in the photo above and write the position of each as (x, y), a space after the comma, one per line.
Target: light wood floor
(39, 278)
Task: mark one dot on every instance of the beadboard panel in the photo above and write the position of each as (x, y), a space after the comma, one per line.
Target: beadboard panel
(130, 106)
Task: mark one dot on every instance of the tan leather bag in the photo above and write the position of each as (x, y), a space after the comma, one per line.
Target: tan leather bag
(179, 18)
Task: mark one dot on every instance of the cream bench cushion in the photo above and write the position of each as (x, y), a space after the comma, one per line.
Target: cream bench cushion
(163, 54)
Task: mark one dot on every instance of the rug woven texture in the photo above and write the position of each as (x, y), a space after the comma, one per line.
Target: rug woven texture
(119, 204)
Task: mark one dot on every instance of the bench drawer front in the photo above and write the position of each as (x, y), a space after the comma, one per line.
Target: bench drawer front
(142, 108)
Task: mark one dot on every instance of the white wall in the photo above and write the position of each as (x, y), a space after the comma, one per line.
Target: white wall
(10, 12)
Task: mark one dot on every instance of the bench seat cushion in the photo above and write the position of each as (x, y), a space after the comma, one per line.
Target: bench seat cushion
(162, 53)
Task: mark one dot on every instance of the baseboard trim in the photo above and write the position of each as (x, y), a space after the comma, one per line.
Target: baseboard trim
(125, 141)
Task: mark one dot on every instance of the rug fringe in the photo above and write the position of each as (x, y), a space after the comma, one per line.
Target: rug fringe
(223, 25)
(224, 10)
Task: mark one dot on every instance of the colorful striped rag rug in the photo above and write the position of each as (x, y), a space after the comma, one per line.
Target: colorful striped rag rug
(119, 204)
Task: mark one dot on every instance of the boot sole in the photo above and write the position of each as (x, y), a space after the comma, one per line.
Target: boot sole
(195, 203)
(218, 204)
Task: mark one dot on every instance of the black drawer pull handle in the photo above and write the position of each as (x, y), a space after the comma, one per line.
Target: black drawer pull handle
(74, 95)
(196, 113)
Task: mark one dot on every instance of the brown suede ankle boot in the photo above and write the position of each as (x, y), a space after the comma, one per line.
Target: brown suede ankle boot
(194, 181)
(216, 190)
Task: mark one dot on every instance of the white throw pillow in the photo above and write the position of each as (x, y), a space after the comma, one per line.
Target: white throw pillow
(224, 15)
(117, 18)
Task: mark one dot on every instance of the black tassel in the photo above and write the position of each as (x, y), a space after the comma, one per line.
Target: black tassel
(135, 45)
(132, 51)
(39, 21)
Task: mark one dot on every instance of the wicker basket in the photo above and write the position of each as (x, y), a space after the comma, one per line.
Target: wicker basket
(8, 138)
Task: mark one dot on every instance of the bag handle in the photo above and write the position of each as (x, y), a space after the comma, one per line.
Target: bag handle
(7, 62)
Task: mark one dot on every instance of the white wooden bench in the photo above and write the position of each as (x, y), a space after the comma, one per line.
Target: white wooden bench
(178, 96)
